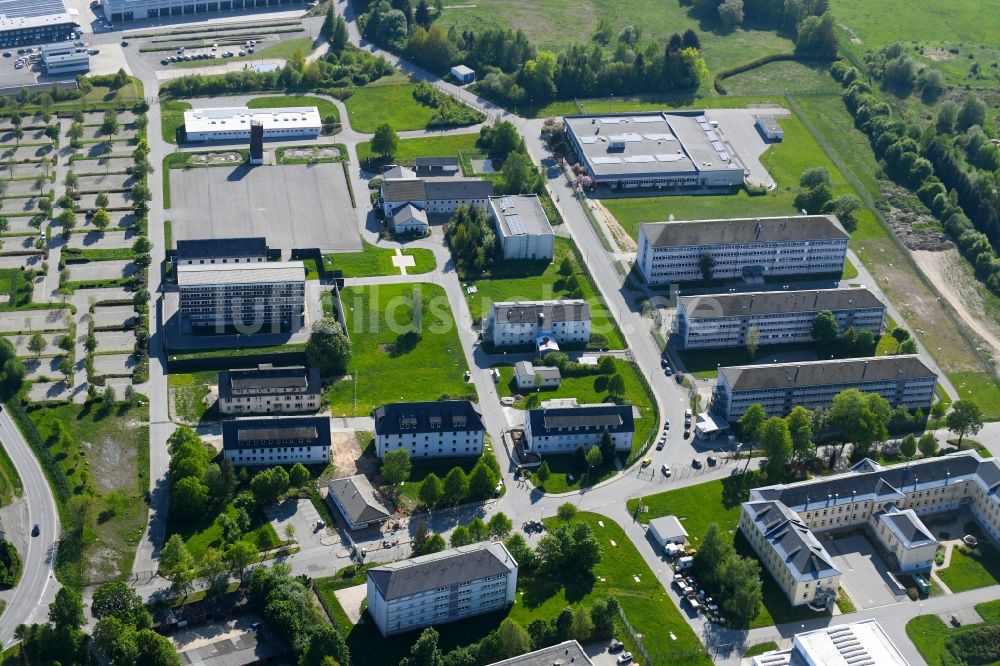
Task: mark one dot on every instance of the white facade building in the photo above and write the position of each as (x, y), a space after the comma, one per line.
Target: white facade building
(671, 252)
(524, 323)
(441, 194)
(529, 377)
(564, 429)
(64, 58)
(277, 441)
(889, 502)
(410, 220)
(117, 11)
(355, 499)
(780, 387)
(269, 390)
(779, 317)
(441, 429)
(522, 227)
(259, 296)
(231, 123)
(442, 587)
(862, 643)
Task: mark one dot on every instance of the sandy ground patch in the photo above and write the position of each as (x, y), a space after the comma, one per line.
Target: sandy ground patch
(346, 455)
(956, 285)
(350, 599)
(624, 242)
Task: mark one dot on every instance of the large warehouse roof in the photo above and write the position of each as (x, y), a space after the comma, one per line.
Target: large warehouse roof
(710, 306)
(243, 273)
(660, 142)
(17, 14)
(853, 372)
(239, 117)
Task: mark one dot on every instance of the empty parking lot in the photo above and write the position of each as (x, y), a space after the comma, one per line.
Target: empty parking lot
(864, 573)
(292, 206)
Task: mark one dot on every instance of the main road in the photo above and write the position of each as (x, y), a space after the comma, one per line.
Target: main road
(38, 585)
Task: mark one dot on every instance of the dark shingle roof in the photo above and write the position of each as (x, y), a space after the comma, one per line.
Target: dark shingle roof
(524, 312)
(436, 161)
(415, 417)
(792, 541)
(357, 497)
(433, 189)
(218, 248)
(302, 380)
(592, 418)
(778, 302)
(444, 569)
(822, 373)
(269, 432)
(907, 526)
(743, 230)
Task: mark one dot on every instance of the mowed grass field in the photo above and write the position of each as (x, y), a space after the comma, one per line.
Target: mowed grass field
(408, 150)
(930, 635)
(371, 106)
(406, 347)
(373, 261)
(555, 24)
(887, 21)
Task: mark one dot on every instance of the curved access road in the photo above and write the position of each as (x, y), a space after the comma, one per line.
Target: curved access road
(38, 584)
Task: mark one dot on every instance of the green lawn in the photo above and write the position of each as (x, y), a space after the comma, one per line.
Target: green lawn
(371, 106)
(16, 289)
(759, 649)
(374, 261)
(980, 387)
(972, 567)
(401, 352)
(774, 78)
(621, 573)
(284, 49)
(206, 533)
(105, 454)
(10, 482)
(902, 21)
(568, 474)
(172, 118)
(326, 107)
(408, 150)
(535, 280)
(410, 491)
(189, 391)
(930, 635)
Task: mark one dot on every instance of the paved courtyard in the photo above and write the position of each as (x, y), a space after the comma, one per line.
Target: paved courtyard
(108, 240)
(864, 572)
(42, 391)
(115, 341)
(102, 165)
(102, 182)
(115, 200)
(294, 206)
(105, 294)
(20, 342)
(102, 270)
(33, 320)
(302, 516)
(114, 364)
(113, 316)
(739, 131)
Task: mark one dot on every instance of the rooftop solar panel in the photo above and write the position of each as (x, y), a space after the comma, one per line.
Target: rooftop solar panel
(712, 136)
(515, 225)
(588, 139)
(718, 146)
(640, 158)
(612, 121)
(648, 119)
(607, 160)
(659, 137)
(625, 138)
(669, 157)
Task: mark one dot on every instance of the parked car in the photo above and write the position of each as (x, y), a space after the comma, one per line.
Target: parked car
(667, 371)
(124, 43)
(6, 54)
(660, 444)
(696, 463)
(95, 4)
(687, 434)
(647, 461)
(712, 460)
(36, 530)
(624, 658)
(666, 470)
(615, 646)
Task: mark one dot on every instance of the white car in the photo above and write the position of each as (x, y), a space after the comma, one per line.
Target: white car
(666, 470)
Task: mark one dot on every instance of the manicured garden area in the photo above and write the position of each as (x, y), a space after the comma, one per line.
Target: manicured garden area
(621, 573)
(408, 150)
(538, 280)
(370, 106)
(374, 261)
(172, 118)
(972, 567)
(405, 347)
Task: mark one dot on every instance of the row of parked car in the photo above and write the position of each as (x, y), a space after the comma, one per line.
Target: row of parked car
(248, 48)
(694, 596)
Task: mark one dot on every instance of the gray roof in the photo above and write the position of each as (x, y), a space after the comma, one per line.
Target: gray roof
(855, 371)
(20, 14)
(267, 378)
(219, 248)
(444, 569)
(585, 418)
(667, 525)
(544, 371)
(523, 312)
(743, 230)
(568, 653)
(436, 162)
(272, 432)
(434, 189)
(415, 417)
(357, 498)
(665, 143)
(883, 483)
(792, 541)
(408, 212)
(768, 123)
(252, 273)
(777, 302)
(907, 527)
(519, 215)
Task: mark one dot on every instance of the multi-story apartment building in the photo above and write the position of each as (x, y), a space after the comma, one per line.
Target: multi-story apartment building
(221, 251)
(277, 441)
(254, 297)
(433, 195)
(135, 10)
(780, 387)
(269, 390)
(441, 429)
(671, 252)
(442, 587)
(778, 317)
(565, 428)
(526, 323)
(522, 227)
(889, 502)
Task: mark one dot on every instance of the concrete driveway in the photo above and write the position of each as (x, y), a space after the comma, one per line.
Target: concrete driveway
(302, 516)
(739, 131)
(865, 576)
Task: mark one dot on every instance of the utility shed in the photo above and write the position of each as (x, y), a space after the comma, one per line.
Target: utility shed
(667, 530)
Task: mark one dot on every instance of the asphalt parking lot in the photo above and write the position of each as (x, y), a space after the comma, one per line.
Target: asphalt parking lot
(739, 131)
(862, 571)
(295, 206)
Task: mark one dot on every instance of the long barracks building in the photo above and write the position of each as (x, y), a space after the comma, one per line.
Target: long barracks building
(134, 10)
(671, 252)
(779, 317)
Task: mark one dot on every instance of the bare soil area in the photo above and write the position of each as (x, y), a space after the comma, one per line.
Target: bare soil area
(346, 456)
(624, 242)
(947, 270)
(113, 465)
(217, 158)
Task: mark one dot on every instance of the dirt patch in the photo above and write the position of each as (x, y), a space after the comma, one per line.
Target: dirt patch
(329, 153)
(912, 223)
(113, 465)
(938, 55)
(624, 242)
(346, 456)
(102, 564)
(232, 157)
(850, 33)
(958, 287)
(387, 348)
